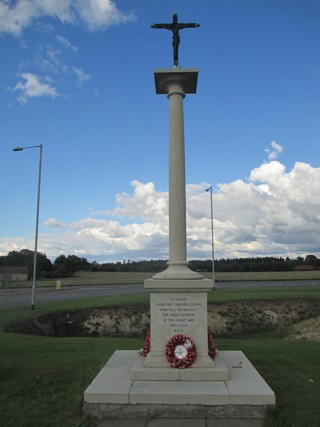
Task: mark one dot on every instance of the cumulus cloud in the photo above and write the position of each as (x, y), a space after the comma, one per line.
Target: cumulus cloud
(15, 16)
(274, 151)
(8, 244)
(275, 212)
(146, 203)
(101, 13)
(34, 86)
(107, 238)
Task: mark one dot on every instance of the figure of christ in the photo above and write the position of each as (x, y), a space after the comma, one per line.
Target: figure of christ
(175, 27)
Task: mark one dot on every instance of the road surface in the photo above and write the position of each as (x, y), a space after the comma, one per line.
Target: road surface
(22, 297)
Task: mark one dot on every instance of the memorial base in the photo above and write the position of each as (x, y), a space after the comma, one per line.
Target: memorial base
(115, 399)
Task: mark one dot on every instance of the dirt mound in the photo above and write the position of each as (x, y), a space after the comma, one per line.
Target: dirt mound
(225, 320)
(110, 321)
(307, 330)
(241, 318)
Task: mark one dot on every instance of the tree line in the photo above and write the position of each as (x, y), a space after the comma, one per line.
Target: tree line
(63, 266)
(66, 266)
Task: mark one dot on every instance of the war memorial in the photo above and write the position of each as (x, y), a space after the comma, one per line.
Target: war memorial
(179, 378)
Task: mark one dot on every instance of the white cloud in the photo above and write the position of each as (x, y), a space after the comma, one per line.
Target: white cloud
(103, 237)
(34, 86)
(95, 14)
(50, 64)
(49, 61)
(275, 151)
(275, 212)
(16, 16)
(81, 76)
(146, 203)
(53, 222)
(101, 13)
(66, 43)
(8, 244)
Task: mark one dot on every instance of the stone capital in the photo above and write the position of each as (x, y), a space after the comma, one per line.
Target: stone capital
(185, 78)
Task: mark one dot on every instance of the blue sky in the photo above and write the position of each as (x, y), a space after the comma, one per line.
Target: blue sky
(77, 77)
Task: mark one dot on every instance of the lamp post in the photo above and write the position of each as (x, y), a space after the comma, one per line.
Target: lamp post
(37, 223)
(212, 238)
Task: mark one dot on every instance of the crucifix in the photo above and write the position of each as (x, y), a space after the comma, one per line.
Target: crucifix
(175, 27)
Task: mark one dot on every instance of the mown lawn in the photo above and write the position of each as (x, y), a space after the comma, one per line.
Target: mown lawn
(42, 379)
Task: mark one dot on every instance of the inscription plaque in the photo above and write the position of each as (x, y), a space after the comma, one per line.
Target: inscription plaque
(178, 312)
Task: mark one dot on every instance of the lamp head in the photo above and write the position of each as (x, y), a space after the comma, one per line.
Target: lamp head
(18, 149)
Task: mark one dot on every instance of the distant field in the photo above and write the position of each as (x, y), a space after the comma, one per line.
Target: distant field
(119, 278)
(268, 275)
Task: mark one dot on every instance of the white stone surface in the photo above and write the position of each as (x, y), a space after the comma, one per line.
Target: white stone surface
(178, 313)
(140, 372)
(160, 284)
(175, 83)
(179, 392)
(219, 372)
(166, 320)
(112, 384)
(244, 387)
(245, 382)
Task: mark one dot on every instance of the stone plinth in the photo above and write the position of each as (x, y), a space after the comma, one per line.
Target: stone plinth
(218, 372)
(241, 400)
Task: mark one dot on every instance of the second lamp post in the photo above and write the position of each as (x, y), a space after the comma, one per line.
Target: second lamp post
(212, 236)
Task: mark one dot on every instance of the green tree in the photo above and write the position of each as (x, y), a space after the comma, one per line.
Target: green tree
(71, 264)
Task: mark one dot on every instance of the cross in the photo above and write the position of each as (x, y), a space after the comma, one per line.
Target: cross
(175, 27)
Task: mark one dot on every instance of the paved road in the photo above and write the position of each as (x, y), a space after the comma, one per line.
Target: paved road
(22, 297)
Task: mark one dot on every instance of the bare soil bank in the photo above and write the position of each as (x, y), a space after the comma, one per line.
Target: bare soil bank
(299, 318)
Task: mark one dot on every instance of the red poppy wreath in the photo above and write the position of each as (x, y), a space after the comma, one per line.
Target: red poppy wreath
(181, 351)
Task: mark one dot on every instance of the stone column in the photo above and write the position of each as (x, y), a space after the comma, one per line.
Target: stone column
(178, 295)
(176, 83)
(177, 191)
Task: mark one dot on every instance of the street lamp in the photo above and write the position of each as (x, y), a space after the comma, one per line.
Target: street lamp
(212, 238)
(37, 223)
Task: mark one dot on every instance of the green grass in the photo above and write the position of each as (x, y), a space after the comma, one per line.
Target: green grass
(83, 278)
(256, 294)
(291, 368)
(267, 276)
(42, 379)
